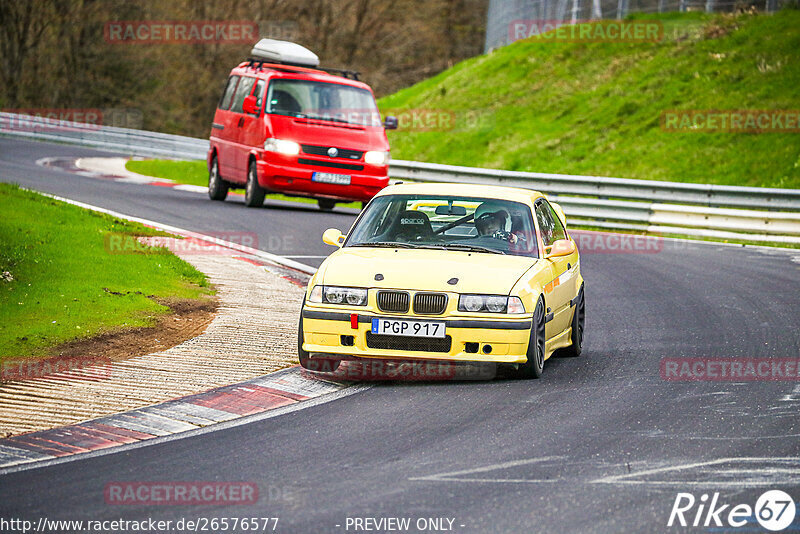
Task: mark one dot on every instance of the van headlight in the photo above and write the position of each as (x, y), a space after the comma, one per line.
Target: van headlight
(282, 146)
(490, 304)
(351, 296)
(374, 157)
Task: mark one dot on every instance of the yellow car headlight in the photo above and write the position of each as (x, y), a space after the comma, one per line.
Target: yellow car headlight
(490, 304)
(351, 296)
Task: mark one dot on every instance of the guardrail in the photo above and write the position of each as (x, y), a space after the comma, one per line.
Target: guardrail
(758, 214)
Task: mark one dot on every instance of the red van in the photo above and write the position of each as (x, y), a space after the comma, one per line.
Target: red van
(285, 126)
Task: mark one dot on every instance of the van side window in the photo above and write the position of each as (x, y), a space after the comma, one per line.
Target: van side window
(244, 88)
(227, 94)
(549, 223)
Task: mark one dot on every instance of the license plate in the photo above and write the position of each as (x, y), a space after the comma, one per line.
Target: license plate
(330, 178)
(402, 327)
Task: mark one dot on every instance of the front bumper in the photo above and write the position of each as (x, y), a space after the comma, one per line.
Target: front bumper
(328, 332)
(285, 174)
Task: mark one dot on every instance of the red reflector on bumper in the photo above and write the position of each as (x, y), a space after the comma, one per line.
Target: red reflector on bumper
(354, 321)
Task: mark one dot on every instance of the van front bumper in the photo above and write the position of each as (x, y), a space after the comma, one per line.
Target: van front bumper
(284, 174)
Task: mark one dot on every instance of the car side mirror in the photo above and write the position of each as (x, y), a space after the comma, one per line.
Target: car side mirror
(249, 105)
(562, 247)
(390, 123)
(333, 237)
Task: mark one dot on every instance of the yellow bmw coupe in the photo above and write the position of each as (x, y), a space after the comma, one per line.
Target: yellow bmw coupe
(454, 272)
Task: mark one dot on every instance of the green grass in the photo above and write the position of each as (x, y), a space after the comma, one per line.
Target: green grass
(66, 285)
(595, 108)
(196, 173)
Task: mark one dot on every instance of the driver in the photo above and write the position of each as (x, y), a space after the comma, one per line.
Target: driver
(492, 220)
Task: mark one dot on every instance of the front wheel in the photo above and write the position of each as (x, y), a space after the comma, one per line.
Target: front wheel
(253, 193)
(578, 320)
(535, 364)
(326, 204)
(217, 187)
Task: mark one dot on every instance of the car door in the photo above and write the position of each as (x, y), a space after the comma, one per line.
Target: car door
(253, 131)
(240, 152)
(222, 130)
(560, 290)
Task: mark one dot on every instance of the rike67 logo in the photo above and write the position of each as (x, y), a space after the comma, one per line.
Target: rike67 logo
(774, 511)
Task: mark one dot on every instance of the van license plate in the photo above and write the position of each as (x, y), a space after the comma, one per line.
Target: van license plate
(401, 327)
(330, 178)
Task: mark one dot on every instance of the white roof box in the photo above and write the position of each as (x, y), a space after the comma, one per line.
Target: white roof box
(284, 52)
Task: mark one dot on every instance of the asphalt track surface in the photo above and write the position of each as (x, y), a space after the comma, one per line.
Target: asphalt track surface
(601, 443)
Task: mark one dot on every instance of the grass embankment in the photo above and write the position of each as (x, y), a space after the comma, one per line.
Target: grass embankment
(594, 108)
(61, 280)
(196, 173)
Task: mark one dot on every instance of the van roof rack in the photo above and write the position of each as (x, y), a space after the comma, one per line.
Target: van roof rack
(351, 74)
(258, 63)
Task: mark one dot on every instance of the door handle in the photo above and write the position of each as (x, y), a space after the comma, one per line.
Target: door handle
(241, 122)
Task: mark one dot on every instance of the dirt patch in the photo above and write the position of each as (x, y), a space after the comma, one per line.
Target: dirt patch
(188, 318)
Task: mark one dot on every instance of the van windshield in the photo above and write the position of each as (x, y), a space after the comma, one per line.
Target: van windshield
(320, 100)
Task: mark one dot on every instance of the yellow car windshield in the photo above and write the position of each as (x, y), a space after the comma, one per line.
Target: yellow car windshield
(448, 223)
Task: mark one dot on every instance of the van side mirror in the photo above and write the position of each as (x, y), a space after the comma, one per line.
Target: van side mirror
(333, 237)
(561, 247)
(249, 105)
(390, 123)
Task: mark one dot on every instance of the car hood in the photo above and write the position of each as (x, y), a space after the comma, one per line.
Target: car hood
(425, 270)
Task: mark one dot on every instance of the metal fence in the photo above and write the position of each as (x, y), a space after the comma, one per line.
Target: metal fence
(727, 212)
(503, 14)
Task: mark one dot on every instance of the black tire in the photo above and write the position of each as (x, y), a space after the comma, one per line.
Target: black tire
(535, 365)
(326, 204)
(217, 187)
(578, 320)
(253, 193)
(319, 365)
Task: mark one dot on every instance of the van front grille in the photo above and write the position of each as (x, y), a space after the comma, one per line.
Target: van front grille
(344, 153)
(430, 303)
(393, 301)
(333, 164)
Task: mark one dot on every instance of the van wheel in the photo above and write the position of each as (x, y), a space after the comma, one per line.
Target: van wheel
(217, 187)
(253, 193)
(535, 364)
(326, 204)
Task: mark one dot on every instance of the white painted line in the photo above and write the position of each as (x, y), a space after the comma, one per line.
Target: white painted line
(766, 475)
(280, 260)
(294, 407)
(191, 188)
(455, 476)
